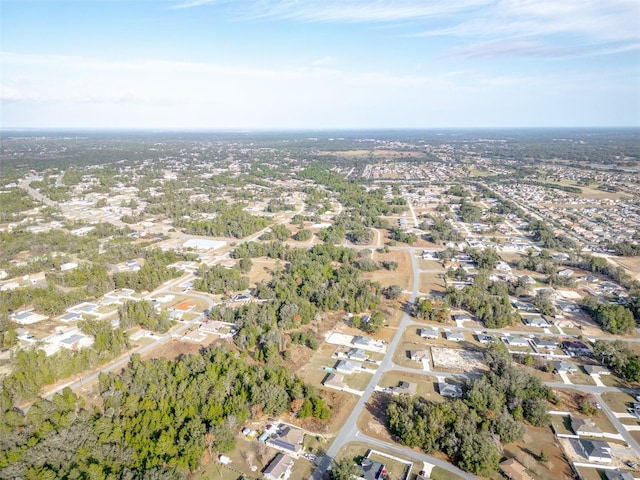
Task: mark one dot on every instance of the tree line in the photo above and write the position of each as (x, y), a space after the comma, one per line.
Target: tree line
(472, 430)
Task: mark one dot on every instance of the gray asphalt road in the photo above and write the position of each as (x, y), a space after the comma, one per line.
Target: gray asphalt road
(349, 432)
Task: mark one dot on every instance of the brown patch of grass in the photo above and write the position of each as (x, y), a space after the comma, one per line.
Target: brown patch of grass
(431, 283)
(402, 276)
(618, 401)
(527, 451)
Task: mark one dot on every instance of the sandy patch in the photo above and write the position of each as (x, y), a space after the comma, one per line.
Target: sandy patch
(457, 359)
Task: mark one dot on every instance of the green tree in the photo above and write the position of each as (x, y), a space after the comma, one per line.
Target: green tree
(345, 469)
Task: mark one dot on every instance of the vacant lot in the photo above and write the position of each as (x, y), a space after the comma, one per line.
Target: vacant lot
(261, 270)
(618, 401)
(630, 264)
(402, 276)
(453, 359)
(432, 283)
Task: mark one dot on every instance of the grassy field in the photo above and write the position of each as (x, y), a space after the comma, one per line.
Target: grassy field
(402, 276)
(431, 283)
(618, 401)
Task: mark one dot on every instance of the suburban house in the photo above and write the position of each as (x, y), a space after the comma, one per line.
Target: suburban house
(567, 272)
(514, 470)
(449, 390)
(357, 354)
(576, 348)
(484, 338)
(454, 336)
(289, 439)
(71, 317)
(431, 333)
(405, 388)
(596, 370)
(544, 343)
(27, 317)
(585, 427)
(279, 468)
(347, 366)
(461, 318)
(372, 470)
(362, 341)
(516, 341)
(525, 306)
(418, 355)
(536, 321)
(334, 380)
(564, 367)
(596, 450)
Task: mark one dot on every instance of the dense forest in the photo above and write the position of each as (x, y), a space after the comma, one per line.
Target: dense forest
(155, 420)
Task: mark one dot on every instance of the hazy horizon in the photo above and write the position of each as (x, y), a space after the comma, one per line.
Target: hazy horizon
(319, 65)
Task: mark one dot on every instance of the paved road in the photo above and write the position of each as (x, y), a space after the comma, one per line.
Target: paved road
(350, 429)
(409, 453)
(175, 332)
(123, 361)
(25, 184)
(597, 392)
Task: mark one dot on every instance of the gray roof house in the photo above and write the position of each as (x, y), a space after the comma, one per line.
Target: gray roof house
(405, 388)
(454, 336)
(362, 341)
(484, 338)
(618, 474)
(372, 470)
(517, 341)
(597, 370)
(334, 380)
(418, 355)
(449, 390)
(585, 427)
(429, 333)
(596, 450)
(279, 468)
(545, 343)
(347, 366)
(564, 367)
(536, 321)
(357, 354)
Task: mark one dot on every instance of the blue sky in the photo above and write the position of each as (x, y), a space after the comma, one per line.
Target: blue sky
(278, 64)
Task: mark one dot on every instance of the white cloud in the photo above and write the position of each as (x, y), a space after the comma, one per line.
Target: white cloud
(613, 20)
(57, 90)
(324, 60)
(548, 26)
(342, 10)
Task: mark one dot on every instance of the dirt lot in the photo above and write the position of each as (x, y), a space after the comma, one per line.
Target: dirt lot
(457, 359)
(174, 348)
